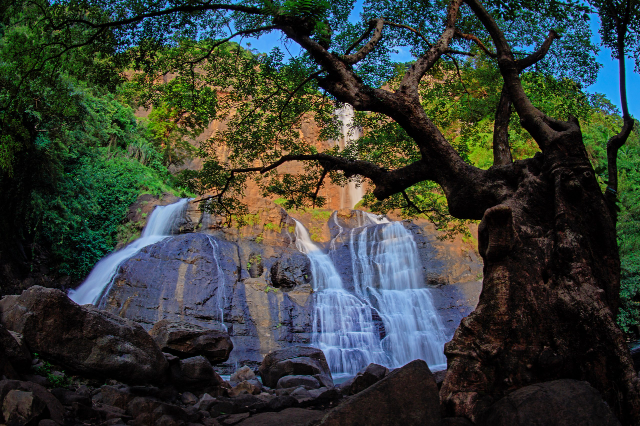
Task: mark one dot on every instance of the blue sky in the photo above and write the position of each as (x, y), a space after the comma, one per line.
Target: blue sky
(606, 83)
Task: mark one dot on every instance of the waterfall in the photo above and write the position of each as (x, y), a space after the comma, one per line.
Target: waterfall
(388, 283)
(160, 224)
(388, 274)
(343, 326)
(353, 192)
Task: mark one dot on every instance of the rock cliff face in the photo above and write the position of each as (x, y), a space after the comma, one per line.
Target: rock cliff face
(254, 280)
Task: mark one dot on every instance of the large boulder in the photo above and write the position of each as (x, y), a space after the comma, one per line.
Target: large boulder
(24, 402)
(291, 270)
(366, 377)
(83, 339)
(558, 403)
(295, 361)
(186, 340)
(407, 396)
(195, 373)
(14, 349)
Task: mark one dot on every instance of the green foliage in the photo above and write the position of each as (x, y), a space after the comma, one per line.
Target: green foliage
(603, 123)
(73, 156)
(46, 370)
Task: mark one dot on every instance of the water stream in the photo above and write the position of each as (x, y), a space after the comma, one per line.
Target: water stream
(160, 224)
(388, 284)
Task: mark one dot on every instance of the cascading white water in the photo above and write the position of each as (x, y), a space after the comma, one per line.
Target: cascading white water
(387, 277)
(343, 326)
(159, 226)
(387, 273)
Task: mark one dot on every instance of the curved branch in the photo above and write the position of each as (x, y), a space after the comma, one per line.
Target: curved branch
(615, 143)
(413, 76)
(477, 41)
(367, 48)
(538, 54)
(533, 120)
(206, 7)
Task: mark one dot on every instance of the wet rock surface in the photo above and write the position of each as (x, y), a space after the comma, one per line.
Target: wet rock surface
(199, 278)
(82, 338)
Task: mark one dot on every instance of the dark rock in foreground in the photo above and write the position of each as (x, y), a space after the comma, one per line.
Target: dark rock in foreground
(83, 339)
(295, 361)
(558, 403)
(27, 403)
(407, 396)
(366, 377)
(186, 340)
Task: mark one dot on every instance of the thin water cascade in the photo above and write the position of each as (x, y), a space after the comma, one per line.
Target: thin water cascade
(160, 224)
(220, 292)
(352, 193)
(343, 326)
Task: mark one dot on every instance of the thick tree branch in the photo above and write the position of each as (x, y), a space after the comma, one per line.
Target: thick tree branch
(501, 149)
(413, 76)
(367, 48)
(533, 120)
(615, 143)
(205, 7)
(538, 54)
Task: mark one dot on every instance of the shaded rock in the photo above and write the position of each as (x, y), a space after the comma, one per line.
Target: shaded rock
(291, 270)
(252, 387)
(233, 419)
(188, 398)
(242, 374)
(308, 382)
(69, 397)
(281, 402)
(407, 396)
(205, 402)
(366, 377)
(114, 396)
(558, 403)
(53, 408)
(108, 413)
(295, 360)
(150, 411)
(6, 369)
(22, 408)
(195, 372)
(14, 348)
(301, 394)
(185, 340)
(240, 404)
(288, 417)
(83, 339)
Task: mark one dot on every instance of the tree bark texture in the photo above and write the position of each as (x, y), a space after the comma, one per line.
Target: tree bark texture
(550, 291)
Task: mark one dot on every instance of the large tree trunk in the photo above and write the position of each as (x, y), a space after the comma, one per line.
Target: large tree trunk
(550, 291)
